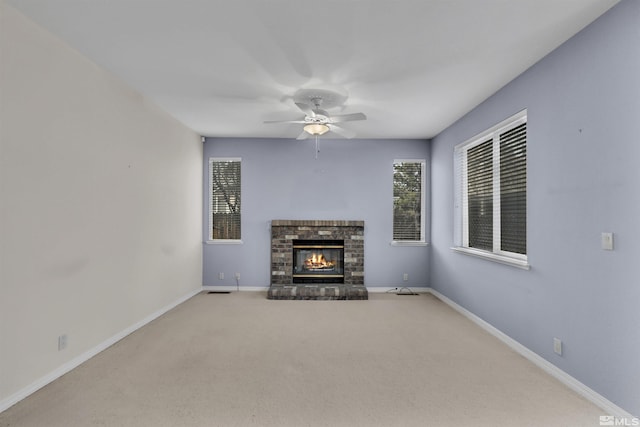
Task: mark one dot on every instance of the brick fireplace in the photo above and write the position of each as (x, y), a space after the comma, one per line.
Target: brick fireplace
(285, 234)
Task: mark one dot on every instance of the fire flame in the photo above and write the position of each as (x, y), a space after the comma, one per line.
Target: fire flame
(318, 261)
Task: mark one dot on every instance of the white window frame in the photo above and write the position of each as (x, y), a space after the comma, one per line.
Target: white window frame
(423, 204)
(461, 229)
(210, 209)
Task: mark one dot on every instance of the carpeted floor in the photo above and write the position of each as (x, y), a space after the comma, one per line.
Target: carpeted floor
(241, 360)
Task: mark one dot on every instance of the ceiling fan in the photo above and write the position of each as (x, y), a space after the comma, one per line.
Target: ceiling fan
(318, 121)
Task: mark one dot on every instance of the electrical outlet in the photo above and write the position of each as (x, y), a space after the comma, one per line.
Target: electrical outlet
(557, 346)
(405, 277)
(237, 276)
(221, 276)
(62, 342)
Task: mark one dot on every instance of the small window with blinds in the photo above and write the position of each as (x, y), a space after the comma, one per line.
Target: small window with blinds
(225, 199)
(491, 192)
(408, 201)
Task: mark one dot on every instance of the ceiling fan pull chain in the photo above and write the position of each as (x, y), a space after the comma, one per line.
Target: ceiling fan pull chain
(317, 150)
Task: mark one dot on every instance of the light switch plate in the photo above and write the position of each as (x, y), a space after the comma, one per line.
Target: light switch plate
(557, 346)
(607, 241)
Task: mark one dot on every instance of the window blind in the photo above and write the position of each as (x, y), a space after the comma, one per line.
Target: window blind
(480, 195)
(407, 201)
(490, 192)
(225, 207)
(513, 190)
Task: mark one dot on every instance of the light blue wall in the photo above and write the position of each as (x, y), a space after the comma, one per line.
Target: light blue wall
(583, 104)
(281, 179)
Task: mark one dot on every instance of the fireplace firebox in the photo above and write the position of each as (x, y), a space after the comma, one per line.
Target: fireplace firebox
(318, 261)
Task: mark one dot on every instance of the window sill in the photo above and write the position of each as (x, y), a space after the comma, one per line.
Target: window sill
(502, 259)
(223, 242)
(408, 243)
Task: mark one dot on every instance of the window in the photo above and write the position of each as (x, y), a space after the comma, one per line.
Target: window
(225, 199)
(491, 193)
(408, 201)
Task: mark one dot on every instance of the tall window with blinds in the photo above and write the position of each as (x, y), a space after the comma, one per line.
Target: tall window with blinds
(513, 190)
(225, 199)
(491, 193)
(408, 200)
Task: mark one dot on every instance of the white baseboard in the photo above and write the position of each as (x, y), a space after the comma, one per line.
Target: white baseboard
(597, 399)
(373, 289)
(396, 289)
(209, 288)
(78, 360)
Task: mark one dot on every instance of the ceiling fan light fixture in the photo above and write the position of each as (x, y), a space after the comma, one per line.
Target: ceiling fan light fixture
(316, 128)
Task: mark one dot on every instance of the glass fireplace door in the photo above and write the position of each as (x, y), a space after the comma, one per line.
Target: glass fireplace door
(318, 261)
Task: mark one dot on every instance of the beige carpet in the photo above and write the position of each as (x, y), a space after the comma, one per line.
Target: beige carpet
(243, 360)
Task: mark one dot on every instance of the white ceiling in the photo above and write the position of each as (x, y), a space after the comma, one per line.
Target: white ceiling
(222, 67)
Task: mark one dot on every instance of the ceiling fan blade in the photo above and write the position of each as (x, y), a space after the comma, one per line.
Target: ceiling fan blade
(307, 109)
(339, 118)
(284, 121)
(342, 131)
(303, 135)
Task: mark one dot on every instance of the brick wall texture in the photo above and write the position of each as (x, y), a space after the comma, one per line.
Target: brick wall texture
(283, 232)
